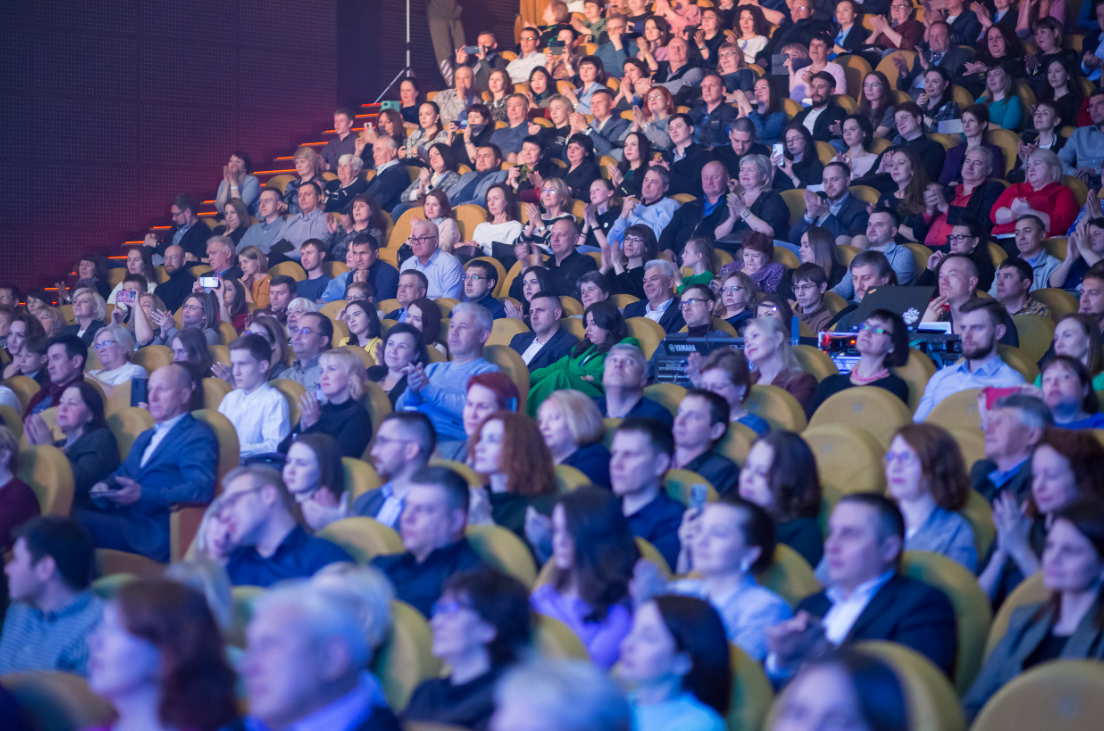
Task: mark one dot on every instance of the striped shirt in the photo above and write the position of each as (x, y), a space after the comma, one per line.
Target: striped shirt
(36, 640)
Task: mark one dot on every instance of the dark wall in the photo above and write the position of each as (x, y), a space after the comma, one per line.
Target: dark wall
(108, 109)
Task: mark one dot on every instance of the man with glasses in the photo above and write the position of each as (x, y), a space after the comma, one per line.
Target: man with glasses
(520, 68)
(442, 270)
(403, 445)
(842, 214)
(313, 336)
(480, 280)
(185, 232)
(652, 209)
(174, 462)
(965, 239)
(269, 543)
(711, 116)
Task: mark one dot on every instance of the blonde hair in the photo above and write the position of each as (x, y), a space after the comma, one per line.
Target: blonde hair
(581, 414)
(54, 315)
(101, 305)
(772, 327)
(252, 253)
(1050, 159)
(353, 366)
(306, 153)
(210, 579)
(561, 190)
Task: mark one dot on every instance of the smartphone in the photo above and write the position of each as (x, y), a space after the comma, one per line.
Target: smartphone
(125, 297)
(471, 50)
(209, 282)
(139, 391)
(993, 395)
(698, 493)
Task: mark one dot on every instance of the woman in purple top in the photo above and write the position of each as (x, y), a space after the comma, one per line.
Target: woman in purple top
(158, 659)
(593, 555)
(756, 261)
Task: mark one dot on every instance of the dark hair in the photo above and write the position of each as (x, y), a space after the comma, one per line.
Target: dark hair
(699, 632)
(1047, 93)
(196, 344)
(379, 371)
(660, 440)
(257, 346)
(910, 108)
(947, 90)
(640, 66)
(606, 316)
(824, 75)
(760, 26)
(94, 402)
(705, 291)
(140, 280)
(793, 478)
(98, 261)
(870, 257)
(501, 601)
(810, 272)
(64, 540)
(597, 63)
(510, 201)
(73, 345)
(651, 244)
(240, 306)
(423, 280)
(810, 144)
(480, 109)
(780, 304)
(941, 462)
(375, 329)
(375, 217)
(993, 307)
(605, 549)
(544, 280)
(284, 280)
(1085, 455)
(363, 238)
(325, 327)
(900, 354)
(489, 272)
(197, 684)
(447, 156)
(421, 425)
(912, 202)
(866, 126)
(1087, 518)
(455, 486)
(1090, 404)
(34, 328)
(683, 116)
(719, 411)
(586, 143)
(1092, 331)
(1021, 266)
(889, 518)
(248, 161)
(878, 690)
(431, 318)
(758, 528)
(645, 146)
(186, 202)
(775, 104)
(331, 473)
(594, 277)
(980, 111)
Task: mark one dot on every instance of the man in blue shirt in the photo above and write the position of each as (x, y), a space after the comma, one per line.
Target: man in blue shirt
(403, 445)
(640, 456)
(270, 544)
(509, 138)
(313, 253)
(269, 222)
(443, 271)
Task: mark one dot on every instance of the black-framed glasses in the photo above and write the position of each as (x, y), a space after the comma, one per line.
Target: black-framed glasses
(472, 277)
(958, 238)
(687, 303)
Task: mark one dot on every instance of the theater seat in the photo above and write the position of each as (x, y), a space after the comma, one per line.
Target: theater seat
(152, 357)
(815, 361)
(849, 460)
(553, 639)
(110, 562)
(219, 354)
(288, 269)
(776, 406)
(874, 409)
(649, 333)
(668, 395)
(1019, 361)
(568, 478)
(25, 388)
(510, 363)
(503, 550)
(106, 587)
(957, 411)
(48, 472)
(360, 477)
(126, 424)
(1030, 591)
(214, 391)
(292, 391)
(677, 483)
(611, 427)
(504, 330)
(378, 404)
(1036, 334)
(789, 576)
(12, 420)
(972, 613)
(55, 701)
(736, 443)
(405, 658)
(1060, 302)
(929, 697)
(1055, 696)
(916, 372)
(752, 693)
(185, 518)
(364, 538)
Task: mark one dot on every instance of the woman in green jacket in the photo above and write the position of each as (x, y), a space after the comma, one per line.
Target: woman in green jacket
(581, 369)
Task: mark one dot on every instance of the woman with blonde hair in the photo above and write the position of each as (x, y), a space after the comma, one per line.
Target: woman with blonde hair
(90, 311)
(340, 414)
(296, 309)
(53, 322)
(768, 350)
(212, 539)
(308, 166)
(255, 277)
(1042, 195)
(555, 197)
(572, 427)
(114, 345)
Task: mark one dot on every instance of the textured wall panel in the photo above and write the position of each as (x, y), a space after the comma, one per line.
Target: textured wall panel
(107, 110)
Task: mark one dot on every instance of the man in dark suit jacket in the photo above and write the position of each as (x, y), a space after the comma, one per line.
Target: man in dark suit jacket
(690, 219)
(821, 88)
(174, 462)
(867, 599)
(1014, 427)
(940, 52)
(391, 177)
(661, 306)
(839, 211)
(548, 341)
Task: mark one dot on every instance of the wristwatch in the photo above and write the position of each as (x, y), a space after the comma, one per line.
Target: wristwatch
(745, 213)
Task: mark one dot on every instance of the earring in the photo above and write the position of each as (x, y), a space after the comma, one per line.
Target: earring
(744, 566)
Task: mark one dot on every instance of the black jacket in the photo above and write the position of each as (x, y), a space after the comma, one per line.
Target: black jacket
(553, 350)
(388, 186)
(832, 114)
(978, 208)
(671, 321)
(954, 61)
(686, 173)
(689, 221)
(905, 611)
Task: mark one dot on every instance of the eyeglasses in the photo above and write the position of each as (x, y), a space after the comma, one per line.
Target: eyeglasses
(104, 344)
(687, 303)
(307, 331)
(906, 459)
(633, 240)
(729, 290)
(728, 54)
(422, 239)
(958, 238)
(865, 327)
(471, 278)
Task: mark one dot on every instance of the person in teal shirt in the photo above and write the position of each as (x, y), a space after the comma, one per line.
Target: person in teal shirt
(1005, 110)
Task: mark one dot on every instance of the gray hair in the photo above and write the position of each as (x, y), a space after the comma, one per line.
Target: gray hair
(763, 164)
(226, 241)
(986, 155)
(392, 144)
(305, 303)
(210, 579)
(667, 267)
(364, 587)
(101, 305)
(575, 695)
(633, 352)
(121, 335)
(479, 314)
(323, 616)
(354, 160)
(1031, 411)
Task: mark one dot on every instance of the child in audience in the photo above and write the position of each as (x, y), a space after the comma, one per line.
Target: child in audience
(698, 255)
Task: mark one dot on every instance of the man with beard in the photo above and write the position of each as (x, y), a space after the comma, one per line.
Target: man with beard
(980, 323)
(842, 214)
(178, 286)
(823, 116)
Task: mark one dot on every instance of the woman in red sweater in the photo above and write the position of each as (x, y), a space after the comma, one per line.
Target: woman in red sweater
(18, 503)
(1042, 195)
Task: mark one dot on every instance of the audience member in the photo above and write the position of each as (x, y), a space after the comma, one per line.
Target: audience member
(768, 351)
(402, 347)
(333, 406)
(256, 410)
(1042, 196)
(391, 177)
(443, 271)
(559, 695)
(53, 609)
(572, 428)
(270, 207)
(486, 394)
(624, 375)
(403, 444)
(660, 305)
(882, 344)
(65, 359)
(200, 312)
(115, 347)
(507, 448)
(315, 477)
(725, 372)
(701, 423)
(185, 232)
(546, 342)
(311, 335)
(412, 285)
(189, 346)
(1068, 391)
(90, 312)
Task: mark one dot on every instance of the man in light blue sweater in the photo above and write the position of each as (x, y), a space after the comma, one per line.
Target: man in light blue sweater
(439, 390)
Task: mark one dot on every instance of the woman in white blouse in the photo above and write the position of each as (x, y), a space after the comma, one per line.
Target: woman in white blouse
(114, 345)
(504, 226)
(818, 54)
(754, 30)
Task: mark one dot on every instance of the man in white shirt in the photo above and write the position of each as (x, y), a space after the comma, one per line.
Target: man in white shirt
(258, 411)
(660, 305)
(866, 599)
(547, 343)
(404, 443)
(981, 325)
(520, 68)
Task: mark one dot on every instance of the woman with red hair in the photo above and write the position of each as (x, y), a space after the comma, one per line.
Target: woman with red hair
(487, 393)
(158, 659)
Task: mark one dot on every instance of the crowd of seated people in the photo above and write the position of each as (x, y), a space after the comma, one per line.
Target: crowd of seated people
(439, 337)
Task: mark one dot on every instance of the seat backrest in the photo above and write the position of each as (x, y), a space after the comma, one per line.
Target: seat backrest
(219, 354)
(979, 514)
(777, 406)
(110, 562)
(1057, 696)
(752, 693)
(405, 658)
(376, 401)
(364, 538)
(229, 448)
(126, 424)
(915, 372)
(649, 333)
(504, 329)
(874, 409)
(152, 357)
(1030, 591)
(48, 472)
(214, 391)
(569, 478)
(292, 391)
(288, 269)
(736, 443)
(1036, 334)
(849, 459)
(1019, 361)
(972, 613)
(1060, 302)
(789, 576)
(118, 400)
(503, 550)
(360, 477)
(677, 483)
(815, 361)
(510, 363)
(554, 639)
(957, 411)
(12, 419)
(25, 388)
(56, 701)
(667, 395)
(472, 477)
(929, 697)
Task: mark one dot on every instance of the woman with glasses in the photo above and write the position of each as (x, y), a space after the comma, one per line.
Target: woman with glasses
(114, 345)
(799, 165)
(739, 296)
(481, 626)
(189, 346)
(926, 475)
(735, 74)
(883, 343)
(653, 119)
(638, 246)
(901, 32)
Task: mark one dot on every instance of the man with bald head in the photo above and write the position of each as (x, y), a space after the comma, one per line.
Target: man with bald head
(174, 462)
(566, 265)
(178, 286)
(691, 219)
(444, 271)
